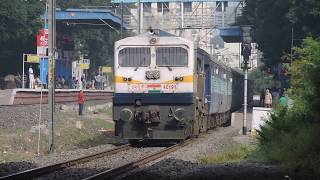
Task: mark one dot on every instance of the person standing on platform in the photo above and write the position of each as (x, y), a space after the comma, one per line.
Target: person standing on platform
(268, 99)
(81, 100)
(283, 100)
(31, 78)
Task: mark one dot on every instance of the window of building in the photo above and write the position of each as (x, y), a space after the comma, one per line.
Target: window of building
(163, 6)
(147, 7)
(172, 56)
(219, 5)
(187, 6)
(133, 57)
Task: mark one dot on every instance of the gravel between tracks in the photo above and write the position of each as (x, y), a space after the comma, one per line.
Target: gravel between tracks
(184, 163)
(90, 168)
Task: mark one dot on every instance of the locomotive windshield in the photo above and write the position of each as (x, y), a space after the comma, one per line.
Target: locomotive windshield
(134, 57)
(172, 56)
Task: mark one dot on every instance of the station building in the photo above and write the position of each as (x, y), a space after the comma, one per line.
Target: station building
(210, 23)
(67, 63)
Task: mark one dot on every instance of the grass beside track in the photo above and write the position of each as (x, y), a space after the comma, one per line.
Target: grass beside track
(71, 132)
(236, 153)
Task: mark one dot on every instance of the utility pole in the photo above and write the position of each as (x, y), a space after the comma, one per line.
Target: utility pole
(245, 65)
(51, 69)
(292, 35)
(139, 17)
(121, 6)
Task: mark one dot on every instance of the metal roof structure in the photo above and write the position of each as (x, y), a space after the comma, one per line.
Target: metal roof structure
(155, 1)
(86, 16)
(230, 34)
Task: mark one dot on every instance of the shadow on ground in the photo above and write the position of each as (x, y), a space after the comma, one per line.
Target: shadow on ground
(13, 167)
(102, 139)
(178, 169)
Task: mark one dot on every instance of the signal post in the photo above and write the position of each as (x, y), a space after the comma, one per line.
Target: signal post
(245, 65)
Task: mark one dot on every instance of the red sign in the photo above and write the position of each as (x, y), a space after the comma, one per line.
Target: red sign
(42, 42)
(42, 38)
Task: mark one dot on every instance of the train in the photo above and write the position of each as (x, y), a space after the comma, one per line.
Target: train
(166, 88)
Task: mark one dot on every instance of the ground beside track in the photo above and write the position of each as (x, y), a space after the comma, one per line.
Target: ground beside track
(19, 129)
(186, 163)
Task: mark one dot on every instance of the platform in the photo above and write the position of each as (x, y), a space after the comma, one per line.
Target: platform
(32, 96)
(256, 117)
(237, 119)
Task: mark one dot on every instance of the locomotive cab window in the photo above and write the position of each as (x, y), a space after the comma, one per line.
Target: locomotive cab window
(172, 56)
(134, 57)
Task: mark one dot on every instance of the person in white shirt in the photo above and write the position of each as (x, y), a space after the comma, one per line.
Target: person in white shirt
(31, 78)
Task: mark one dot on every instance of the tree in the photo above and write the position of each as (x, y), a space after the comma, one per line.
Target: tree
(98, 44)
(65, 4)
(273, 21)
(20, 21)
(262, 80)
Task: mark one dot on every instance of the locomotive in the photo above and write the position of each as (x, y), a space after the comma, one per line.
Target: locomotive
(168, 89)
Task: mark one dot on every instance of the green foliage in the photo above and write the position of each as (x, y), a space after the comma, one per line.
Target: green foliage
(65, 4)
(97, 43)
(305, 75)
(273, 21)
(262, 80)
(20, 21)
(291, 136)
(234, 154)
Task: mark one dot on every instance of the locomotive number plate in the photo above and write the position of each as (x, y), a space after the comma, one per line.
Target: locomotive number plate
(147, 87)
(169, 86)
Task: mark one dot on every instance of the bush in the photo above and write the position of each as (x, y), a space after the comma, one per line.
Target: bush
(291, 136)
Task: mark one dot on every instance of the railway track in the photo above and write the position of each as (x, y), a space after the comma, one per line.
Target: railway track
(108, 174)
(124, 169)
(33, 97)
(37, 172)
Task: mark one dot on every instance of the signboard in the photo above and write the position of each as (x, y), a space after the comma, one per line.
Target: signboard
(33, 58)
(107, 69)
(42, 42)
(84, 66)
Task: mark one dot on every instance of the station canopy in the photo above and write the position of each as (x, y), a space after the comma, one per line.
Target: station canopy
(97, 17)
(156, 1)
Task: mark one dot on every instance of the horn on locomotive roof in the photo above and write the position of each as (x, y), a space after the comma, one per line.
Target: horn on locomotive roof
(152, 31)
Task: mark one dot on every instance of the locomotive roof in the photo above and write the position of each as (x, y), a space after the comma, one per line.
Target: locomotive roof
(159, 33)
(142, 38)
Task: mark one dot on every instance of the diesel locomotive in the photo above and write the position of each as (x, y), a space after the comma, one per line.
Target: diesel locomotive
(168, 89)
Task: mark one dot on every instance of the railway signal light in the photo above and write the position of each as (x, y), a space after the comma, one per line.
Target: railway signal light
(245, 65)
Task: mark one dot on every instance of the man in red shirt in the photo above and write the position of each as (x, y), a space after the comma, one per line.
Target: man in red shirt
(81, 100)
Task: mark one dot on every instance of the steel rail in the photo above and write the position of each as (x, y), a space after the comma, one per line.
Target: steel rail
(36, 172)
(116, 172)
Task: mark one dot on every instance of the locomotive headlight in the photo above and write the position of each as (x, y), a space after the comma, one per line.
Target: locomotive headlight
(125, 79)
(126, 114)
(179, 114)
(178, 78)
